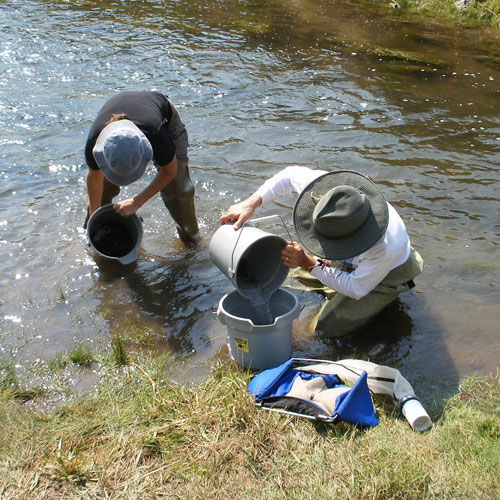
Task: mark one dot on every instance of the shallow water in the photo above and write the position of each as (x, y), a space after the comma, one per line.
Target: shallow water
(260, 86)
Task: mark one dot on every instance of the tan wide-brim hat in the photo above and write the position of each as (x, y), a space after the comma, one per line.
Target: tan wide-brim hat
(340, 215)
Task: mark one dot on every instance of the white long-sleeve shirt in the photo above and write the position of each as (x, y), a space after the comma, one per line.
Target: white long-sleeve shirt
(371, 266)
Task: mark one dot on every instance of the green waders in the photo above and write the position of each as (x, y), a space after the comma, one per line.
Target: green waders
(178, 197)
(341, 315)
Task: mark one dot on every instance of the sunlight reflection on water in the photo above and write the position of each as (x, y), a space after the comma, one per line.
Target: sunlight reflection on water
(257, 93)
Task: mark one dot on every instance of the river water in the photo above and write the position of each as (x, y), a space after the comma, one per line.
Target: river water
(260, 85)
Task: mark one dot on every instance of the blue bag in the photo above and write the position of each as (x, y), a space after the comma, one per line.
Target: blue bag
(290, 388)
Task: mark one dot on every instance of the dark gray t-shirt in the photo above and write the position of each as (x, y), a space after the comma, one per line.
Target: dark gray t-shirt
(154, 114)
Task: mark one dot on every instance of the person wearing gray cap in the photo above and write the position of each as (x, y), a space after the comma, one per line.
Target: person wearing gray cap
(357, 249)
(131, 130)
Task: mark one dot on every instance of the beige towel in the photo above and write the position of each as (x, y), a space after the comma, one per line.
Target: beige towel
(315, 390)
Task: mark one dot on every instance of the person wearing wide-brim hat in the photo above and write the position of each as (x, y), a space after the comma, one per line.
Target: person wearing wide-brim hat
(131, 130)
(354, 247)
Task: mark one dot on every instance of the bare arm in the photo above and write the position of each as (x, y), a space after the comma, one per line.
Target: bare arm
(165, 174)
(242, 211)
(95, 182)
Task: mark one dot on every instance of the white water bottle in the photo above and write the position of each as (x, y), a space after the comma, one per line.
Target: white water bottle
(416, 415)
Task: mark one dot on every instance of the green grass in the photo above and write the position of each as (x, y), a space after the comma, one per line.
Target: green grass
(120, 356)
(477, 12)
(82, 356)
(58, 362)
(141, 436)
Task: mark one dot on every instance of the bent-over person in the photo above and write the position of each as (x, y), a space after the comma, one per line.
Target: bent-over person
(354, 247)
(131, 130)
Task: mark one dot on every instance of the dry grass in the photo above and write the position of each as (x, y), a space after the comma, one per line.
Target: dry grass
(143, 437)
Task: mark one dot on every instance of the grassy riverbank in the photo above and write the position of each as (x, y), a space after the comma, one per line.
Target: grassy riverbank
(141, 436)
(470, 13)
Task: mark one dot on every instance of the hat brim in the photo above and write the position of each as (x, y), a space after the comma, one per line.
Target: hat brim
(98, 153)
(353, 244)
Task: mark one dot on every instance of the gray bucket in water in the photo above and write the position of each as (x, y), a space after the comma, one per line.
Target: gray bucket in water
(250, 258)
(114, 237)
(259, 346)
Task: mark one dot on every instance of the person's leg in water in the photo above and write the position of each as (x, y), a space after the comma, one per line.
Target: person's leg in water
(341, 315)
(178, 197)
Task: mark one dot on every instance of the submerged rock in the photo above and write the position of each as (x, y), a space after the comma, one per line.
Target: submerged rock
(416, 58)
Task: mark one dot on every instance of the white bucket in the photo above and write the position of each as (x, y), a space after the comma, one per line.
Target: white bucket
(250, 258)
(114, 237)
(259, 346)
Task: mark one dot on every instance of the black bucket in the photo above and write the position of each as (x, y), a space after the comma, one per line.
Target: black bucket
(114, 237)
